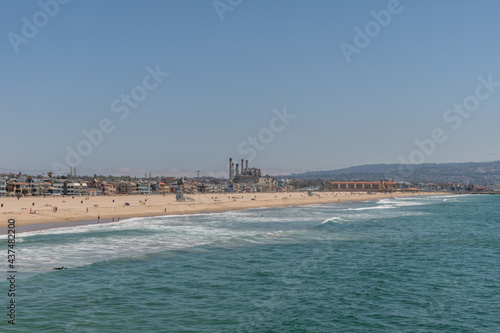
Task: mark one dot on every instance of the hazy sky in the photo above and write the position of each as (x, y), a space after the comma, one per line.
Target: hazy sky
(293, 85)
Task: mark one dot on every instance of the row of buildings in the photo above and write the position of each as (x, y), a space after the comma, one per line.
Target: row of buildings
(242, 179)
(42, 187)
(84, 188)
(380, 186)
(29, 186)
(26, 186)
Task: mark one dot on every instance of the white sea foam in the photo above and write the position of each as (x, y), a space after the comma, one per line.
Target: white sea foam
(84, 245)
(135, 237)
(371, 208)
(335, 219)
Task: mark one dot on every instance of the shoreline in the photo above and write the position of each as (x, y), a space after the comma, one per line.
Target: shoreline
(74, 211)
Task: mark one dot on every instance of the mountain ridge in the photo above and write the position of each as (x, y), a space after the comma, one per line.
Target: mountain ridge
(466, 172)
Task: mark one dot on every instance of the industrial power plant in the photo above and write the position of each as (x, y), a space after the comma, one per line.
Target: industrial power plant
(245, 175)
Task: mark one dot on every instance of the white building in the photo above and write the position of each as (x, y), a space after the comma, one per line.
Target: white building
(76, 189)
(72, 188)
(58, 189)
(84, 189)
(3, 187)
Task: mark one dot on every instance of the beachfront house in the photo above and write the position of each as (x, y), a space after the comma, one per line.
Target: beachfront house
(267, 184)
(144, 188)
(45, 188)
(94, 191)
(189, 188)
(40, 187)
(154, 187)
(84, 189)
(108, 189)
(35, 188)
(163, 188)
(76, 188)
(55, 191)
(58, 189)
(18, 188)
(72, 188)
(125, 187)
(3, 187)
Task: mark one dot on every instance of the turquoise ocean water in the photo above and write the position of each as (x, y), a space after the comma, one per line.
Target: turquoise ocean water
(420, 264)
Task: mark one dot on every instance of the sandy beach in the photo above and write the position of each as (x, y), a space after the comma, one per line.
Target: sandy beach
(38, 210)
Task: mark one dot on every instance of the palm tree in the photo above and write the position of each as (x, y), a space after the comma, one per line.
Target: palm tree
(49, 174)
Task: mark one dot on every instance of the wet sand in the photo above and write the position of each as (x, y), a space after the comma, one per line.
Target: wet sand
(32, 211)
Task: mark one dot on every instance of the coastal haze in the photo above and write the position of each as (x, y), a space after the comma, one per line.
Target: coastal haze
(249, 166)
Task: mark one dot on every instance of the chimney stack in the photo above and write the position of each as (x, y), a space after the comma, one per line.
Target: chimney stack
(242, 164)
(237, 170)
(231, 166)
(246, 169)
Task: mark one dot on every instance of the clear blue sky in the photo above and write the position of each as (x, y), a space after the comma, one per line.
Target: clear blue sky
(226, 77)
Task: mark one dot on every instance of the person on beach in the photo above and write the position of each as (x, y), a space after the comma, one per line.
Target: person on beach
(98, 218)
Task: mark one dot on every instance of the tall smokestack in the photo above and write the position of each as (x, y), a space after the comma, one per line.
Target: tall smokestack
(237, 170)
(230, 169)
(242, 171)
(246, 169)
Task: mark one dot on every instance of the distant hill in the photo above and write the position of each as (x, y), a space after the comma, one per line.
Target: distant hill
(468, 173)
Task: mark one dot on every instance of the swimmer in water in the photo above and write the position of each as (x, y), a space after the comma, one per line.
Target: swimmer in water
(59, 268)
